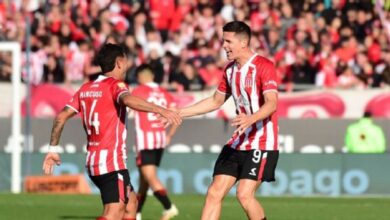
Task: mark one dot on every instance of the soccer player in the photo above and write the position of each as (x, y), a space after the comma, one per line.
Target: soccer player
(102, 104)
(251, 154)
(151, 140)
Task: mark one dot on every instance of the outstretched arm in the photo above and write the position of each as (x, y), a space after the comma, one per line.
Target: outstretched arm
(53, 157)
(206, 105)
(142, 105)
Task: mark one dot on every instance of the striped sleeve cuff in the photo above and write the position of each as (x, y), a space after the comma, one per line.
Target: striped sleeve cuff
(71, 107)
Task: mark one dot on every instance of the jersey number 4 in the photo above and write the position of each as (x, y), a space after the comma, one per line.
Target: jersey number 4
(92, 122)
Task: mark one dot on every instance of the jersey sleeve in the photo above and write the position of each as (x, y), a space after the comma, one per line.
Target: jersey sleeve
(267, 77)
(224, 86)
(118, 88)
(74, 102)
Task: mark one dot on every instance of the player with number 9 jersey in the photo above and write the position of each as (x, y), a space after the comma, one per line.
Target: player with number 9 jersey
(103, 118)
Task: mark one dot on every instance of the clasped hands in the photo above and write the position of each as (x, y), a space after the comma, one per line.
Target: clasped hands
(174, 116)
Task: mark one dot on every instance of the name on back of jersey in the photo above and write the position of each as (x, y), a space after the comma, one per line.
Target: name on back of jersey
(91, 94)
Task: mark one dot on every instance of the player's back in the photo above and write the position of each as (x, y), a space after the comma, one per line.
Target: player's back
(153, 93)
(150, 132)
(104, 123)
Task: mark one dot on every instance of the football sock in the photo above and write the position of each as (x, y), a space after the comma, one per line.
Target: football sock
(265, 218)
(141, 200)
(101, 218)
(161, 195)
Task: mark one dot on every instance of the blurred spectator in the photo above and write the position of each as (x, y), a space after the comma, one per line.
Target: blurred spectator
(305, 38)
(187, 79)
(162, 12)
(302, 71)
(156, 64)
(210, 74)
(383, 72)
(364, 136)
(347, 79)
(53, 72)
(5, 66)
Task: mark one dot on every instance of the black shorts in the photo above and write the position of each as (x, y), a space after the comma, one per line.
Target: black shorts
(114, 186)
(149, 157)
(254, 164)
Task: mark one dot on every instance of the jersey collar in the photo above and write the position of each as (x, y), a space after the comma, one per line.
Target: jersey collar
(101, 78)
(247, 62)
(151, 84)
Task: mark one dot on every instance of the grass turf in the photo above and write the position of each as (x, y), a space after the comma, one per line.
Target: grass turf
(42, 207)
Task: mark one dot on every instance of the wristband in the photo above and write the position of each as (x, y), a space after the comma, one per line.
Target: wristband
(54, 149)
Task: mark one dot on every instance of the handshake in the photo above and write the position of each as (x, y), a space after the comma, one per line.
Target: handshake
(171, 116)
(174, 116)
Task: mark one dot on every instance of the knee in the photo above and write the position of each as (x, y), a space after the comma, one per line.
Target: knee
(214, 194)
(243, 196)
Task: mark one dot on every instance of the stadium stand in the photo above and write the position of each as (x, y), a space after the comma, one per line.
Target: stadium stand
(326, 44)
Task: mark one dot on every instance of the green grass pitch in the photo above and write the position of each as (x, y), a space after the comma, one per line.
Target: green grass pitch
(77, 207)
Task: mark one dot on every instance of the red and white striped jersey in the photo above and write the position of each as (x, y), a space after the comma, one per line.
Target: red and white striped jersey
(104, 120)
(247, 86)
(150, 134)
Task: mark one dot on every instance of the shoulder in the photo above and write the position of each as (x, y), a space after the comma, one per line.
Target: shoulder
(116, 83)
(84, 86)
(163, 90)
(261, 61)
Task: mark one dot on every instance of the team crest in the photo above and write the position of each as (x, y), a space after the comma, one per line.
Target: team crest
(249, 78)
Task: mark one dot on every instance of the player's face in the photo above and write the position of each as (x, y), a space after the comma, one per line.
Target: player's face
(232, 44)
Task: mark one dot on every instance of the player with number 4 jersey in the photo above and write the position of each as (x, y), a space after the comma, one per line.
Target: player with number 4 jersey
(106, 130)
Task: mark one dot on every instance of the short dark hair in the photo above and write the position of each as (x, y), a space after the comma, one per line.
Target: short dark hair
(107, 55)
(238, 27)
(142, 68)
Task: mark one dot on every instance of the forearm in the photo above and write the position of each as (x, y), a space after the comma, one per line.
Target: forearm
(59, 123)
(265, 111)
(201, 107)
(56, 131)
(206, 105)
(172, 130)
(141, 105)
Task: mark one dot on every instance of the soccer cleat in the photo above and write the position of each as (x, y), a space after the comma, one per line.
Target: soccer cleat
(170, 213)
(138, 216)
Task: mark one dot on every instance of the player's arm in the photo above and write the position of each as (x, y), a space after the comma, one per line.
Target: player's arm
(139, 104)
(243, 121)
(172, 130)
(206, 105)
(52, 157)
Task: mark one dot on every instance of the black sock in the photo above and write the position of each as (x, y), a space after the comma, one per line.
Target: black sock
(161, 195)
(141, 200)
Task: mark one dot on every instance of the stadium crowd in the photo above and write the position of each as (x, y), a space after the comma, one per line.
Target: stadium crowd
(319, 43)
